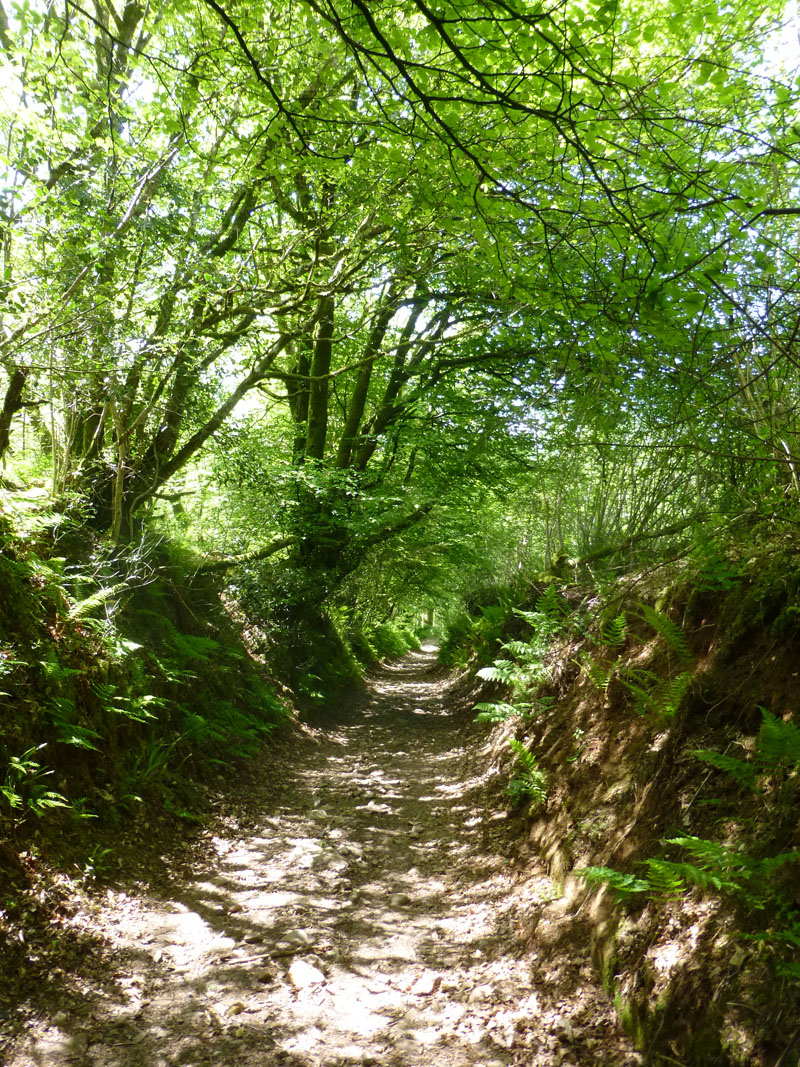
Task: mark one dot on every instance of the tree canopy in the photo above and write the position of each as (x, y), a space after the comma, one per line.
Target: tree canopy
(470, 279)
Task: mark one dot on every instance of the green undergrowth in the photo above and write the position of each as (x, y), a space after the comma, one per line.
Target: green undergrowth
(655, 732)
(372, 643)
(123, 684)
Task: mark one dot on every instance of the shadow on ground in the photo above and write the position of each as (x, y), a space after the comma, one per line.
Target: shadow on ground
(370, 917)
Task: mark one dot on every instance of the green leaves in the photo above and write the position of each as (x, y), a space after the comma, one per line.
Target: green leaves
(530, 781)
(671, 633)
(24, 789)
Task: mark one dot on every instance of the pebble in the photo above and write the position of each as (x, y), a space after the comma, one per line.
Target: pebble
(480, 994)
(297, 937)
(399, 900)
(353, 1054)
(78, 1044)
(565, 1028)
(426, 984)
(303, 975)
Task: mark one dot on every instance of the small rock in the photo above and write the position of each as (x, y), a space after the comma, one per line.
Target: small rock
(426, 984)
(399, 900)
(565, 1028)
(297, 937)
(78, 1044)
(303, 975)
(291, 942)
(315, 961)
(480, 994)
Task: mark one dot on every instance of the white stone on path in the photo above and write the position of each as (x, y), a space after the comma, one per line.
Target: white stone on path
(426, 984)
(303, 975)
(480, 994)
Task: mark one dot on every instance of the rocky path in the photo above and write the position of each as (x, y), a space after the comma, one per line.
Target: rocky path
(372, 918)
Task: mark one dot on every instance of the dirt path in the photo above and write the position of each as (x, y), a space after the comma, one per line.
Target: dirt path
(372, 918)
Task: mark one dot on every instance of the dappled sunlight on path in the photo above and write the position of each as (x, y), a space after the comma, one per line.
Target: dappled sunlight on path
(366, 920)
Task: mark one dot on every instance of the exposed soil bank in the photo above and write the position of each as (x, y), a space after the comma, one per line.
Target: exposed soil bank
(372, 916)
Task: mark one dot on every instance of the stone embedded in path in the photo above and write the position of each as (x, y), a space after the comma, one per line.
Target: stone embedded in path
(297, 937)
(480, 994)
(426, 984)
(303, 975)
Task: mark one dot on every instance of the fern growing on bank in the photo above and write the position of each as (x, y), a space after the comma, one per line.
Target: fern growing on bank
(529, 781)
(670, 632)
(712, 866)
(615, 631)
(778, 744)
(777, 755)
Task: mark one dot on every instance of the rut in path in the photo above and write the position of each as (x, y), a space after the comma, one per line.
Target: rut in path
(371, 919)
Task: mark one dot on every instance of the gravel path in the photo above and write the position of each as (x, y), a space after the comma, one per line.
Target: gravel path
(372, 917)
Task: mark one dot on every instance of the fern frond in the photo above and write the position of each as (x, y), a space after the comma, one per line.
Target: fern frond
(710, 854)
(193, 646)
(670, 692)
(672, 634)
(495, 712)
(743, 772)
(552, 605)
(529, 781)
(770, 864)
(778, 743)
(82, 608)
(641, 684)
(526, 759)
(599, 675)
(622, 884)
(523, 650)
(502, 670)
(665, 878)
(615, 632)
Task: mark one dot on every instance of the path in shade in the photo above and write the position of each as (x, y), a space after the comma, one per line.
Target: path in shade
(370, 919)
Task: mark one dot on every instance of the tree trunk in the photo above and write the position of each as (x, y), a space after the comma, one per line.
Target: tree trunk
(12, 403)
